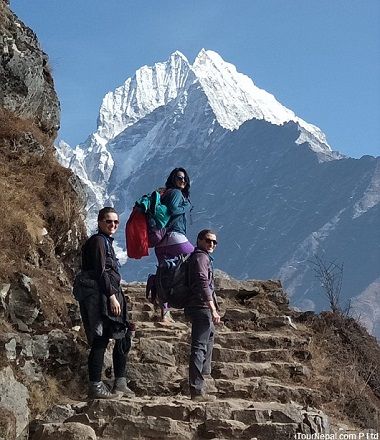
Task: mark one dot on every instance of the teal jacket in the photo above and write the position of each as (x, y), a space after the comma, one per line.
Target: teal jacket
(177, 206)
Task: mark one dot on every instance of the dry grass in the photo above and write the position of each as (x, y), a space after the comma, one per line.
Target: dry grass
(35, 193)
(43, 395)
(12, 128)
(346, 364)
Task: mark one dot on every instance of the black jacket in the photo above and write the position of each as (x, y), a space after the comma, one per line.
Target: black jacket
(100, 263)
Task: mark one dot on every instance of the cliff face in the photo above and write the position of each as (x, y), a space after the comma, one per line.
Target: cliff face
(41, 223)
(27, 87)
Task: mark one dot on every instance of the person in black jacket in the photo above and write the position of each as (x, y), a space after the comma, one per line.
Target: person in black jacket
(104, 311)
(202, 310)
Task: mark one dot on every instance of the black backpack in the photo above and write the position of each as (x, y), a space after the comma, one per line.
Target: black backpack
(172, 283)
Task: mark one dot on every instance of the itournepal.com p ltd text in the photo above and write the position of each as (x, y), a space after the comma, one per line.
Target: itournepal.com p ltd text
(339, 436)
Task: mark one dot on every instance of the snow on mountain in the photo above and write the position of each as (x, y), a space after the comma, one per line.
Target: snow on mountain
(235, 99)
(371, 196)
(263, 178)
(150, 88)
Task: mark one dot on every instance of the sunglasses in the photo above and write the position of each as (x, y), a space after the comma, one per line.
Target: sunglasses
(181, 178)
(112, 221)
(209, 241)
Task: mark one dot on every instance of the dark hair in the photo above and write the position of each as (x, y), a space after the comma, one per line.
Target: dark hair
(170, 182)
(203, 234)
(104, 211)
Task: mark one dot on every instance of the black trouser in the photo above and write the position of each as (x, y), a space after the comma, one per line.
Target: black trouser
(202, 342)
(96, 357)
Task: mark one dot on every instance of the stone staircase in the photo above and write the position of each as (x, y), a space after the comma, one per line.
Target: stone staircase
(260, 377)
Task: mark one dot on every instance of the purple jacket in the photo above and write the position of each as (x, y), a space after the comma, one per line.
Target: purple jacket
(201, 279)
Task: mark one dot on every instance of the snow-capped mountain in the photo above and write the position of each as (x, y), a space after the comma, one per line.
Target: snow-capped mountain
(266, 180)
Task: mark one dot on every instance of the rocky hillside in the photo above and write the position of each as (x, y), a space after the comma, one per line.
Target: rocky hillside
(41, 223)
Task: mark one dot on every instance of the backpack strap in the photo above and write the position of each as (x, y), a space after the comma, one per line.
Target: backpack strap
(107, 245)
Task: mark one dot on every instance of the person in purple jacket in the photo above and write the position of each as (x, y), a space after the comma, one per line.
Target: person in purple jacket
(202, 310)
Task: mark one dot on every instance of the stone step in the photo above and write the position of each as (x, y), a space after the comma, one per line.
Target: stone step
(157, 329)
(140, 306)
(262, 339)
(138, 316)
(146, 427)
(179, 417)
(221, 354)
(264, 389)
(227, 370)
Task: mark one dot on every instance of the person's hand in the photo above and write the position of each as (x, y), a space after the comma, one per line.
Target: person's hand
(215, 317)
(115, 306)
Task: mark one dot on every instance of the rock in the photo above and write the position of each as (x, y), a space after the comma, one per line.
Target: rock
(26, 84)
(175, 411)
(10, 349)
(274, 431)
(40, 347)
(58, 414)
(138, 427)
(160, 352)
(22, 306)
(14, 397)
(153, 378)
(239, 315)
(277, 321)
(64, 431)
(4, 289)
(215, 428)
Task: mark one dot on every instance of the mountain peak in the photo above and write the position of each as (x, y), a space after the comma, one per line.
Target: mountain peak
(233, 97)
(177, 54)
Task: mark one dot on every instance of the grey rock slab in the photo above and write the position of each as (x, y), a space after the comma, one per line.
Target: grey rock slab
(14, 397)
(29, 88)
(4, 289)
(255, 340)
(271, 354)
(153, 378)
(22, 306)
(216, 428)
(156, 351)
(225, 370)
(277, 321)
(229, 355)
(64, 431)
(176, 410)
(273, 431)
(58, 413)
(108, 409)
(240, 314)
(139, 427)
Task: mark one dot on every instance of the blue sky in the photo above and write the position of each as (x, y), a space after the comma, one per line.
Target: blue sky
(319, 58)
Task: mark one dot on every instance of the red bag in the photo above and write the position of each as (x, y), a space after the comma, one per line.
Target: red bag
(136, 235)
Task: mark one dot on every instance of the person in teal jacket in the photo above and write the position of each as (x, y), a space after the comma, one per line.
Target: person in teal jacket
(177, 199)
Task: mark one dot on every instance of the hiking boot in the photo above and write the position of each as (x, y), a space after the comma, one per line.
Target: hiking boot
(98, 390)
(203, 397)
(120, 387)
